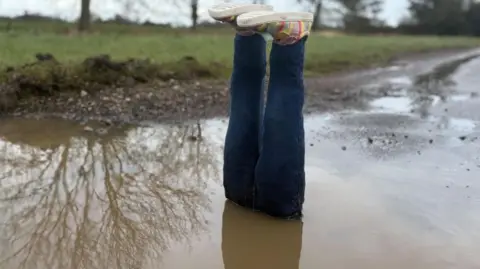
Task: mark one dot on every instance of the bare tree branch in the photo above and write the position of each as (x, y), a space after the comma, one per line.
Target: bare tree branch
(94, 201)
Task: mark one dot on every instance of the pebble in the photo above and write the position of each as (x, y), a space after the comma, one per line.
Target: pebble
(102, 131)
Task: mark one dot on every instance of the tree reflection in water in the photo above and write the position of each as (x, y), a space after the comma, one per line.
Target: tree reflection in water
(112, 201)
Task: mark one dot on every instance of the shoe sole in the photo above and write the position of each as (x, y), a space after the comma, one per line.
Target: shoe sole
(261, 17)
(230, 9)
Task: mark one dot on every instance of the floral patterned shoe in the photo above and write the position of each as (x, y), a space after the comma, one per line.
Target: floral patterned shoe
(229, 12)
(286, 28)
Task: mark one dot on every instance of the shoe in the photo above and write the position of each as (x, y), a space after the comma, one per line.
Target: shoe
(286, 28)
(228, 13)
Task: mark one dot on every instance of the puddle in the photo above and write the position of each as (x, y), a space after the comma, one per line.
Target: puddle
(394, 68)
(445, 90)
(467, 77)
(151, 197)
(456, 124)
(70, 196)
(392, 104)
(402, 80)
(463, 97)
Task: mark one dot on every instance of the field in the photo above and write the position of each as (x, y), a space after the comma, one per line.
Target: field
(210, 47)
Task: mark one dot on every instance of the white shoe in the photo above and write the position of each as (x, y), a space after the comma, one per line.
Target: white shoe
(224, 11)
(255, 18)
(285, 28)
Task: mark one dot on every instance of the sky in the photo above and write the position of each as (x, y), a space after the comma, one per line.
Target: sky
(158, 11)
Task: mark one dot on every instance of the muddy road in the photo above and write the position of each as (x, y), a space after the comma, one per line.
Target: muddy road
(392, 182)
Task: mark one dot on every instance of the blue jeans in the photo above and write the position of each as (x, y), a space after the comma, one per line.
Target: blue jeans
(264, 153)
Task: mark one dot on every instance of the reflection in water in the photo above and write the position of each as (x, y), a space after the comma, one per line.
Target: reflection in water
(251, 240)
(100, 201)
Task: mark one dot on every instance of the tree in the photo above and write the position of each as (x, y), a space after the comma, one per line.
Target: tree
(376, 7)
(360, 15)
(194, 13)
(317, 6)
(84, 20)
(442, 17)
(473, 18)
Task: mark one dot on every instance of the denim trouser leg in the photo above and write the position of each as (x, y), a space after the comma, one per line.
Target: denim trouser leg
(246, 108)
(280, 173)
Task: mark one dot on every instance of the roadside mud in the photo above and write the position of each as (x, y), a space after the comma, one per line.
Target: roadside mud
(45, 82)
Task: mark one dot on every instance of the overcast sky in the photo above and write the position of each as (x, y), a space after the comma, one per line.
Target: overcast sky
(68, 9)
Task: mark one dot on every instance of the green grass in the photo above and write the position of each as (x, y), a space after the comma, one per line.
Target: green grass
(324, 54)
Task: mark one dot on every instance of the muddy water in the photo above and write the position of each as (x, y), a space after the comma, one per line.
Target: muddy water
(395, 186)
(97, 196)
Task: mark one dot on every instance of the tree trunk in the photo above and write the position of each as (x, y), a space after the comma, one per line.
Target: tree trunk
(194, 15)
(317, 16)
(84, 21)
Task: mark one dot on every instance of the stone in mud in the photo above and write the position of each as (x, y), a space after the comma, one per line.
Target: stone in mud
(192, 138)
(45, 57)
(101, 131)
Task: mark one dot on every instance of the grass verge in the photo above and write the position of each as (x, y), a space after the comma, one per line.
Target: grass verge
(324, 54)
